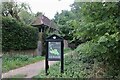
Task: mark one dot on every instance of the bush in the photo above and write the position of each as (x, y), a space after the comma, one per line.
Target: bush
(105, 50)
(17, 36)
(86, 61)
(75, 66)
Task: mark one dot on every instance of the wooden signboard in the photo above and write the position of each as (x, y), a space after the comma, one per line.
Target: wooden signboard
(54, 49)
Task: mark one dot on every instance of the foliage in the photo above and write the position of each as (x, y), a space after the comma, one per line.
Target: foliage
(13, 61)
(67, 50)
(76, 66)
(63, 20)
(17, 36)
(97, 24)
(103, 30)
(26, 17)
(12, 8)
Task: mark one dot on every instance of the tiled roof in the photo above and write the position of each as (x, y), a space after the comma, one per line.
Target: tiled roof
(43, 20)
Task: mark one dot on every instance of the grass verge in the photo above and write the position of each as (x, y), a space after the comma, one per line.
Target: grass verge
(19, 76)
(10, 62)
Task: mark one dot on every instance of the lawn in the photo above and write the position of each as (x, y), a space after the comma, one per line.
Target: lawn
(18, 60)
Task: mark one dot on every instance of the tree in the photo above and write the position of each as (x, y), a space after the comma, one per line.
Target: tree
(98, 23)
(26, 17)
(63, 20)
(13, 9)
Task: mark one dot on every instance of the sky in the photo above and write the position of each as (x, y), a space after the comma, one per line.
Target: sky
(48, 7)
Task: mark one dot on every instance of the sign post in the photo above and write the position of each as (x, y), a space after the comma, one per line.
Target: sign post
(55, 51)
(0, 67)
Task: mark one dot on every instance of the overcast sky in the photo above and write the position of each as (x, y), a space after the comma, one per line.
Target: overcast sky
(48, 7)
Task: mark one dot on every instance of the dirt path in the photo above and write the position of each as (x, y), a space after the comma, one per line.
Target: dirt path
(29, 71)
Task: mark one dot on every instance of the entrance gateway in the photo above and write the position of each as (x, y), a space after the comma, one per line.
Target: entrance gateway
(55, 47)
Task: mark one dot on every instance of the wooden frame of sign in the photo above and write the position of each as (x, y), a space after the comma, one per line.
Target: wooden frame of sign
(55, 47)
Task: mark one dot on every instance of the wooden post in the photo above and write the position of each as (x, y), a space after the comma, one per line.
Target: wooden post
(62, 57)
(46, 61)
(0, 67)
(39, 46)
(41, 41)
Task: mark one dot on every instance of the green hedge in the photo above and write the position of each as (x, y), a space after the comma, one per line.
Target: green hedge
(17, 36)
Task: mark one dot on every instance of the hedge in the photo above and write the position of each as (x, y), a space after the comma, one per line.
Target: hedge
(18, 36)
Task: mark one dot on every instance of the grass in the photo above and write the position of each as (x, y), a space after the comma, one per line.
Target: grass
(19, 76)
(10, 62)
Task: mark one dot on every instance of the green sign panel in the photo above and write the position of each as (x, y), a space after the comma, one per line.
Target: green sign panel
(54, 50)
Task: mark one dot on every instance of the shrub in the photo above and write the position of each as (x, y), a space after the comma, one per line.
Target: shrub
(105, 50)
(75, 66)
(17, 36)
